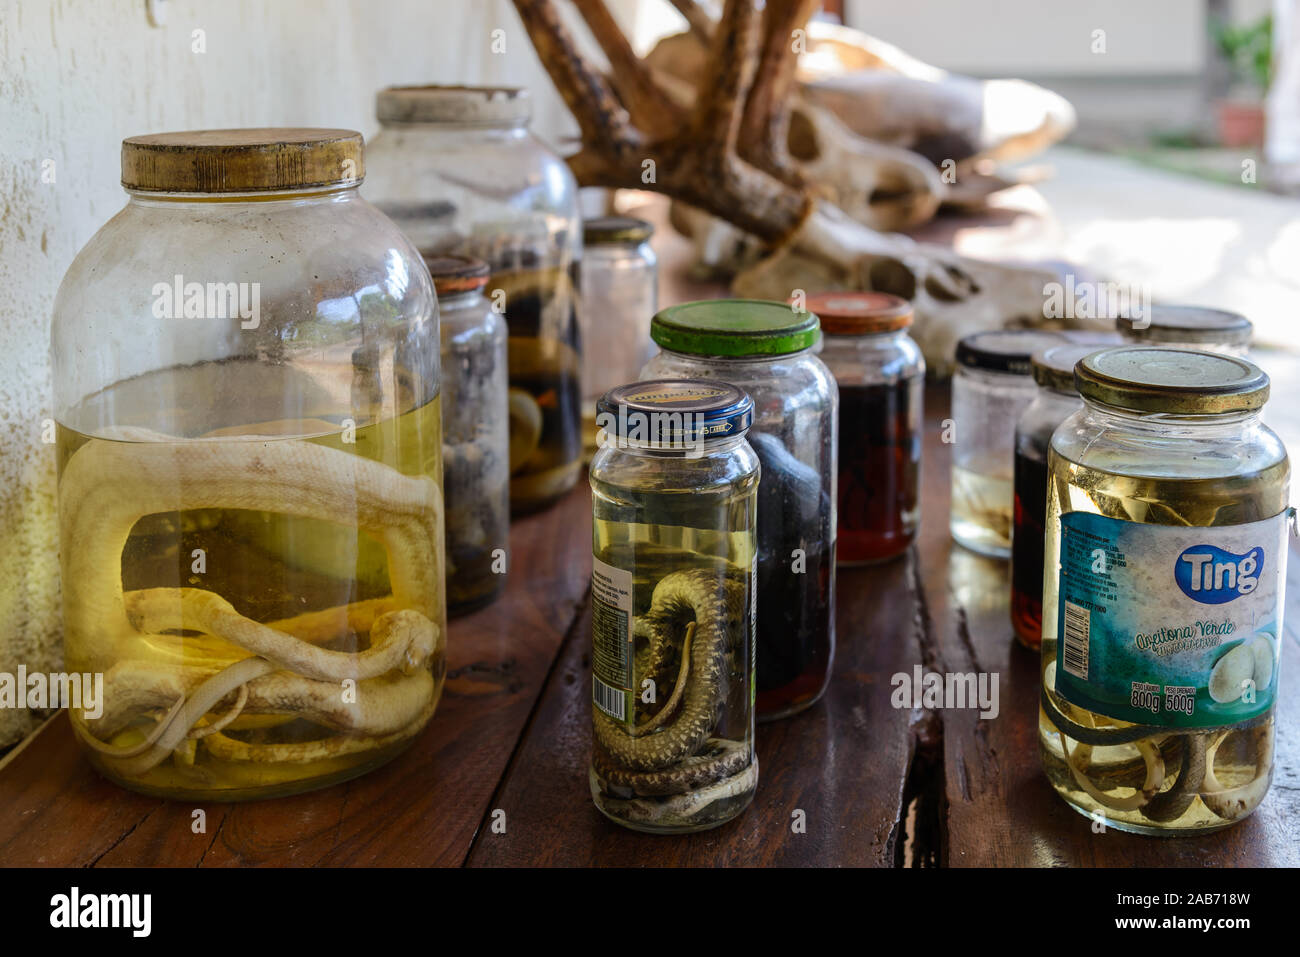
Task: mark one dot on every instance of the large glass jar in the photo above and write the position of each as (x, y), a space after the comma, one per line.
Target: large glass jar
(881, 377)
(457, 169)
(1189, 327)
(620, 292)
(1167, 517)
(246, 390)
(1057, 399)
(766, 348)
(674, 489)
(475, 434)
(990, 389)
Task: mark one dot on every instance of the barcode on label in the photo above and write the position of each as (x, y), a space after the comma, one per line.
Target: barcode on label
(611, 700)
(1074, 653)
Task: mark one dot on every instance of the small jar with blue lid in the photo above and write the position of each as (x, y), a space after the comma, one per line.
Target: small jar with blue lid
(674, 506)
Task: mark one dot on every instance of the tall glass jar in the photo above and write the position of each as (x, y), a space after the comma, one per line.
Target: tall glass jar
(1167, 517)
(475, 434)
(766, 348)
(881, 377)
(990, 389)
(457, 169)
(674, 490)
(246, 389)
(1189, 327)
(1057, 399)
(619, 284)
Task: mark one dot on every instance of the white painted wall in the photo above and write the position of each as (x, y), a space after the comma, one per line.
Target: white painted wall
(1042, 37)
(78, 77)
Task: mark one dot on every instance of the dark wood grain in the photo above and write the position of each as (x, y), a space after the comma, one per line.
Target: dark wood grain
(423, 808)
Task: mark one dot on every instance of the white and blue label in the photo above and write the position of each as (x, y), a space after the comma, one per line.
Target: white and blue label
(1170, 625)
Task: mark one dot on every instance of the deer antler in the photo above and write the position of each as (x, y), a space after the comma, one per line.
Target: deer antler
(634, 137)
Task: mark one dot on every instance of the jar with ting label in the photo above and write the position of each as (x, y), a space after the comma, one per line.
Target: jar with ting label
(674, 489)
(247, 398)
(457, 168)
(475, 433)
(766, 348)
(881, 377)
(1167, 522)
(1189, 327)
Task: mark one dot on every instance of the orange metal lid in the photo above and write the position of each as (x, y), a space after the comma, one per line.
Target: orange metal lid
(860, 313)
(455, 274)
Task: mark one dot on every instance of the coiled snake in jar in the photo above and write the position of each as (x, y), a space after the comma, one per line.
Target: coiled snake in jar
(690, 639)
(231, 668)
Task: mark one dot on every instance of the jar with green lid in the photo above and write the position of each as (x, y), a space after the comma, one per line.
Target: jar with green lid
(1189, 327)
(674, 508)
(766, 348)
(475, 433)
(457, 168)
(247, 401)
(619, 286)
(1167, 521)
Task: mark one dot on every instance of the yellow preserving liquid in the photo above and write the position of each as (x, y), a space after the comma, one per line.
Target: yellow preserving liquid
(1152, 783)
(265, 600)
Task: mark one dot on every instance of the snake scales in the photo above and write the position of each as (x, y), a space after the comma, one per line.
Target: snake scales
(229, 667)
(669, 763)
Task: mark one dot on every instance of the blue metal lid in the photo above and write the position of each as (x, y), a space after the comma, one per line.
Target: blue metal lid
(673, 413)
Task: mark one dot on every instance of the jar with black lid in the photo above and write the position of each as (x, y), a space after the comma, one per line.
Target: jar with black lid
(991, 387)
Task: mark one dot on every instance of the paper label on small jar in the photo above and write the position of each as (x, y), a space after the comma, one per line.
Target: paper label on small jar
(611, 640)
(1166, 625)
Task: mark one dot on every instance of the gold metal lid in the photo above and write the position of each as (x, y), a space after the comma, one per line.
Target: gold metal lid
(1192, 325)
(609, 230)
(1054, 368)
(1171, 381)
(270, 159)
(461, 105)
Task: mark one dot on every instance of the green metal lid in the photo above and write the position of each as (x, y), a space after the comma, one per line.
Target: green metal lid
(735, 328)
(1171, 381)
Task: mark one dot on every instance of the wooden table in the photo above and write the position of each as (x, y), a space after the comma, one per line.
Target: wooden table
(877, 786)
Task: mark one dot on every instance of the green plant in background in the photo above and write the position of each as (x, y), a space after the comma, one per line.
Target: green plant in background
(1248, 48)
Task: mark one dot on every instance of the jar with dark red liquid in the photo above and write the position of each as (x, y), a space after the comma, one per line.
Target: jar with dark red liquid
(766, 348)
(881, 376)
(1056, 400)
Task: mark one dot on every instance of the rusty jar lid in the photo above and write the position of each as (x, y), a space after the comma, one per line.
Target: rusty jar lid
(453, 275)
(860, 313)
(271, 159)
